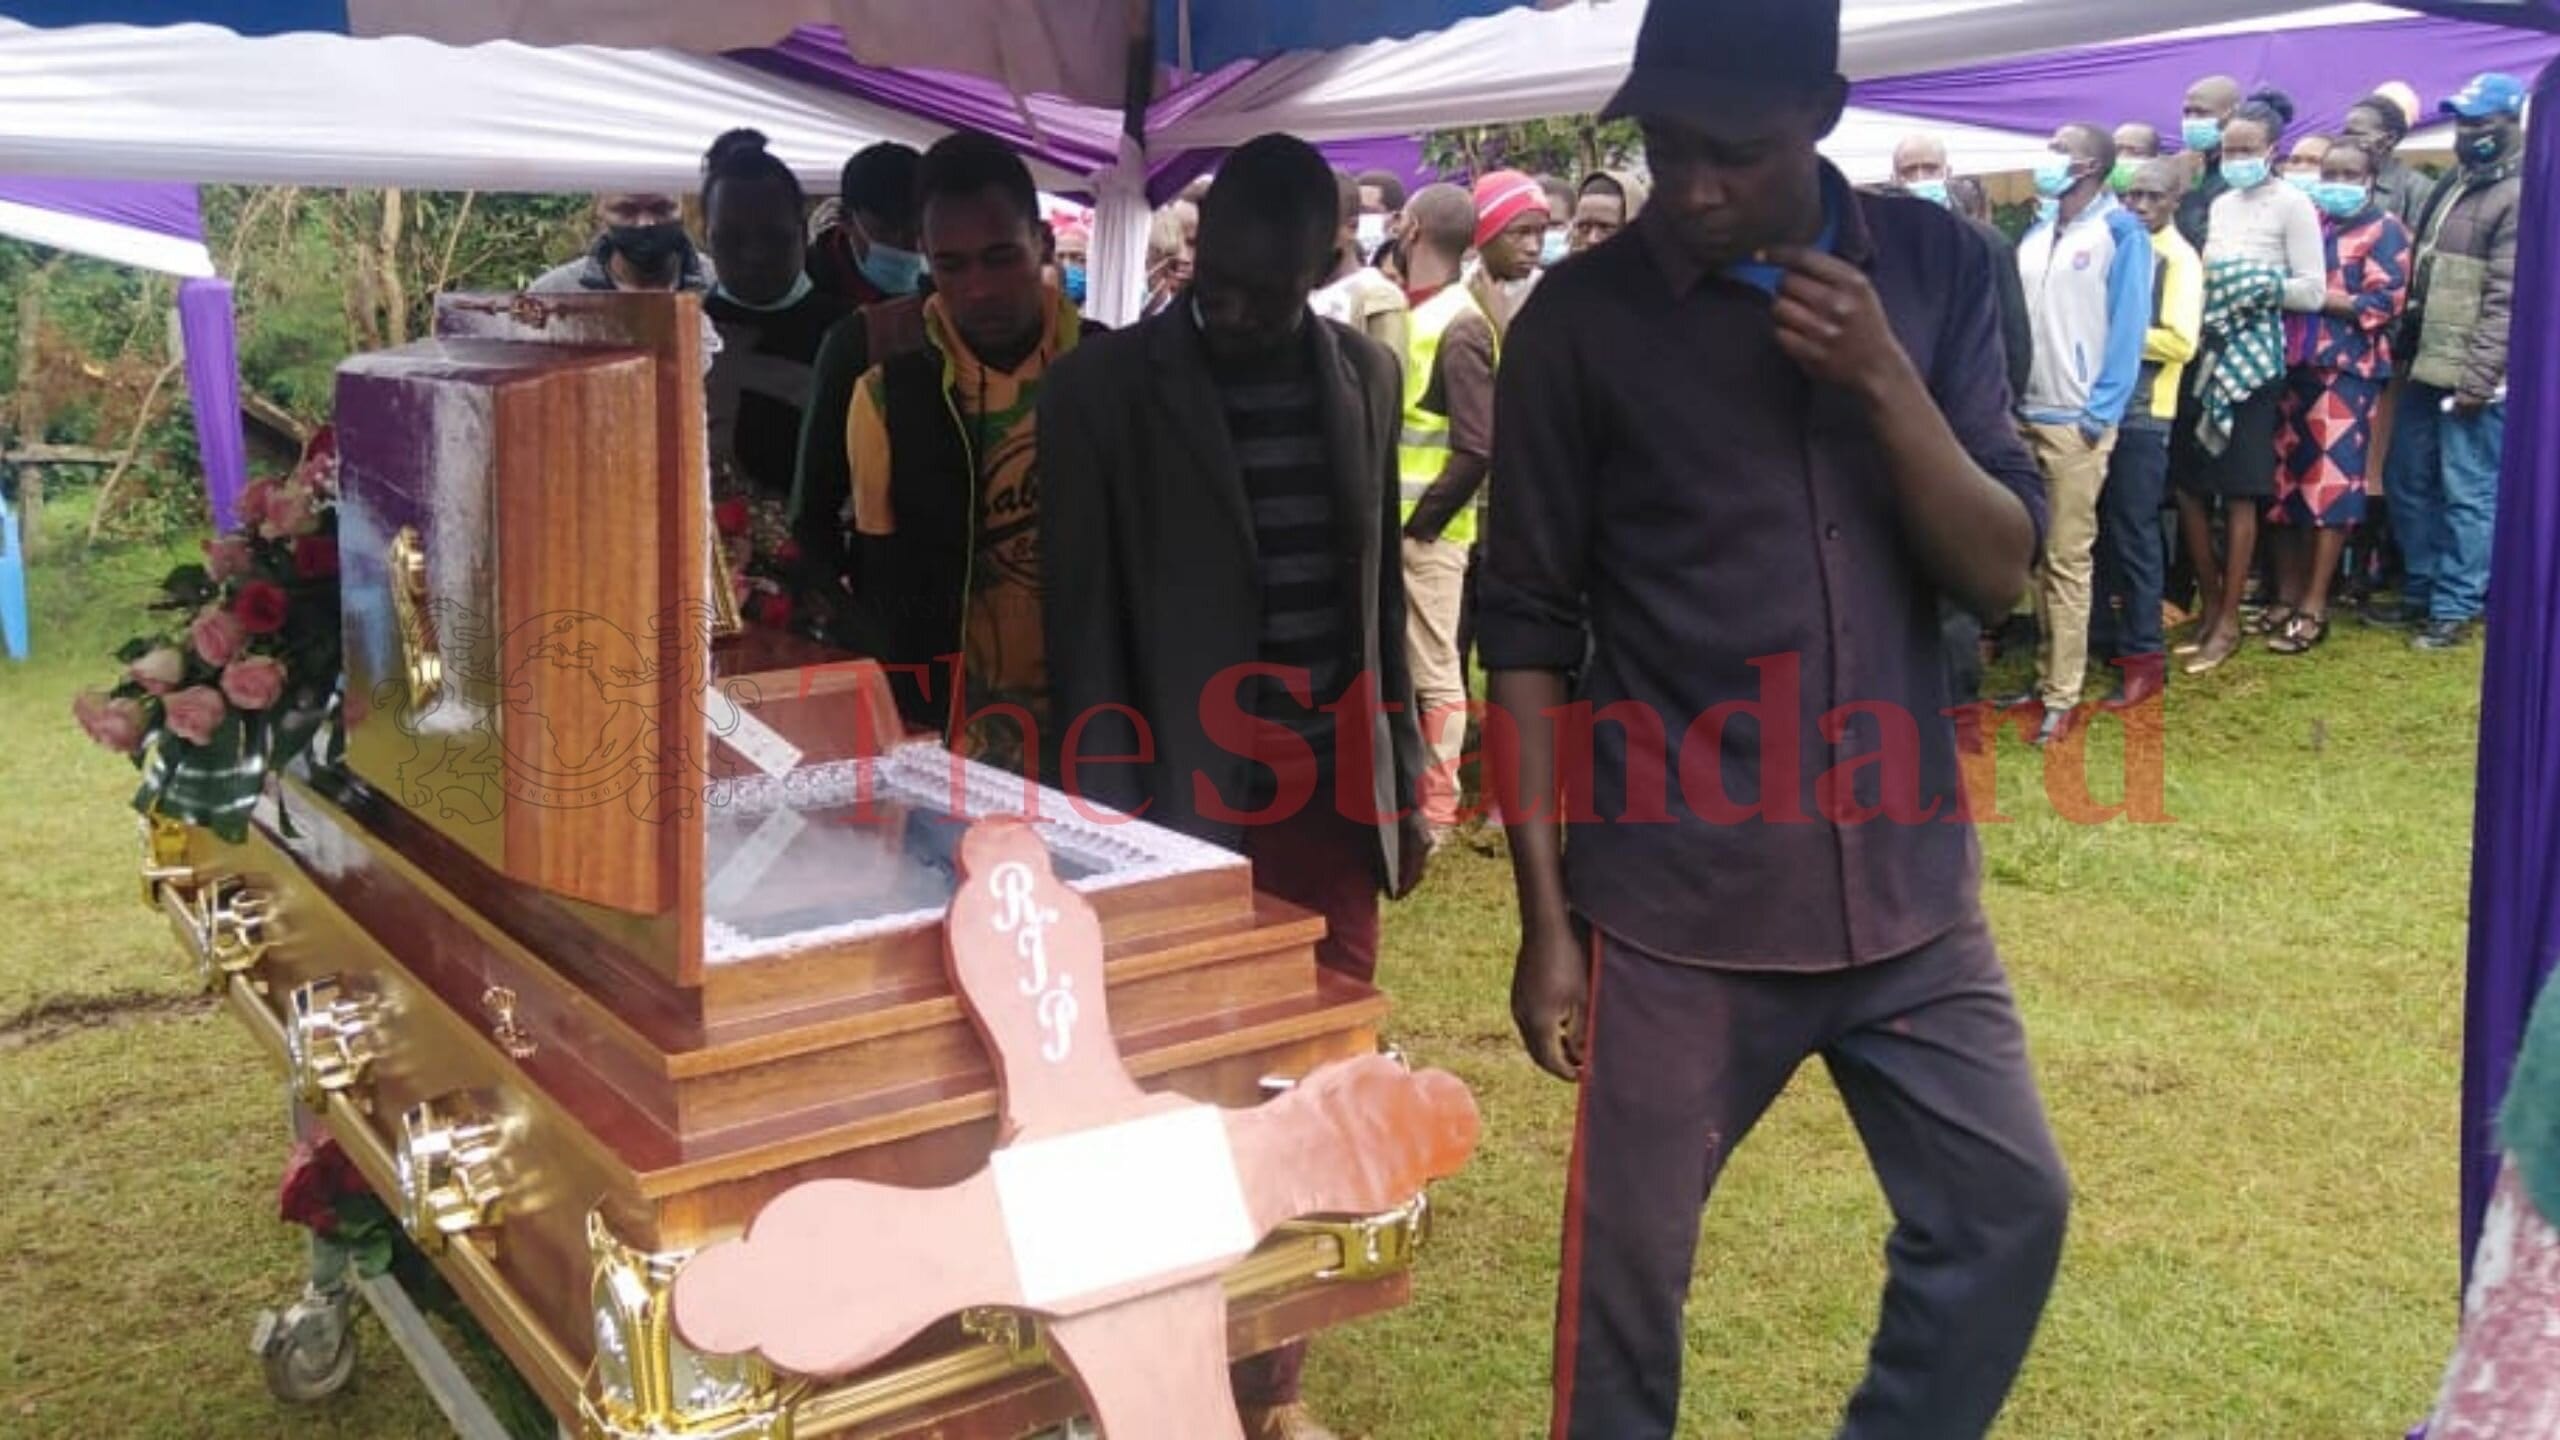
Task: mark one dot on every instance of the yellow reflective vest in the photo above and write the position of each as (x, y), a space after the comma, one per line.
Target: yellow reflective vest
(1424, 452)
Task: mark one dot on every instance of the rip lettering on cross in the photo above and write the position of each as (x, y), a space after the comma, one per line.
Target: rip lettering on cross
(1108, 1211)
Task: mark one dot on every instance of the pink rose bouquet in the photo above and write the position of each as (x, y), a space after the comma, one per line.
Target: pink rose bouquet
(246, 680)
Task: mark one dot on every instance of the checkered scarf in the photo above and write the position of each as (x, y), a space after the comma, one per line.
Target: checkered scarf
(2244, 331)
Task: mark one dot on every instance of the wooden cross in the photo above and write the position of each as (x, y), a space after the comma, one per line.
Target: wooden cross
(1107, 1211)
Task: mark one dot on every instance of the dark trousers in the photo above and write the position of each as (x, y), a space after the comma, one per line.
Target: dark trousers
(1960, 640)
(1323, 861)
(1929, 1055)
(2124, 614)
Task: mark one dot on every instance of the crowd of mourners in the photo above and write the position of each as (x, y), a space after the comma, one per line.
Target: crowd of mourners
(1757, 427)
(2289, 339)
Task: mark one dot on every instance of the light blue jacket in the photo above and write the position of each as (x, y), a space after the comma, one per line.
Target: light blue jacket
(2088, 288)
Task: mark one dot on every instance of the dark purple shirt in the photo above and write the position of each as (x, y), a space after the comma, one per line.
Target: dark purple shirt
(1668, 483)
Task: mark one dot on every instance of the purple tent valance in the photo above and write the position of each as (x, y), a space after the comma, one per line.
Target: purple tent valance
(2325, 68)
(1072, 137)
(1083, 139)
(160, 209)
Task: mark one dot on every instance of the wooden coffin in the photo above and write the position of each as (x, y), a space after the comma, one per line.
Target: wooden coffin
(590, 949)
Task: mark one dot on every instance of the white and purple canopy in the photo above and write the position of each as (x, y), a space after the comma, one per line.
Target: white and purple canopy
(1051, 76)
(155, 227)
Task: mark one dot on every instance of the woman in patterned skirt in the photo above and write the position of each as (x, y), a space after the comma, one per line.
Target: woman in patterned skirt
(2264, 260)
(2340, 359)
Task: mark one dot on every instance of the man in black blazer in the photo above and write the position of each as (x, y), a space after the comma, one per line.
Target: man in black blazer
(1224, 597)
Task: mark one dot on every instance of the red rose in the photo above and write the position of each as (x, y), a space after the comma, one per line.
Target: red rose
(787, 553)
(730, 516)
(315, 557)
(319, 463)
(316, 1175)
(261, 607)
(774, 612)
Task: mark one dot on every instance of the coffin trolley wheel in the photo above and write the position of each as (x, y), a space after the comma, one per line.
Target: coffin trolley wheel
(309, 1350)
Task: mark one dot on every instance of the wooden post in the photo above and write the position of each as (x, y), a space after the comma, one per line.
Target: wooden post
(31, 415)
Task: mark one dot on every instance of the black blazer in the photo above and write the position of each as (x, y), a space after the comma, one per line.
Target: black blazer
(1147, 549)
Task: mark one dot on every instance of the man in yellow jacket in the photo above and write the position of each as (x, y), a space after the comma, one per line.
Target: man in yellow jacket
(2125, 619)
(1447, 448)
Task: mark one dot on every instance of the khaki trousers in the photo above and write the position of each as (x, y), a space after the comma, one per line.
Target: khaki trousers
(2075, 471)
(1435, 587)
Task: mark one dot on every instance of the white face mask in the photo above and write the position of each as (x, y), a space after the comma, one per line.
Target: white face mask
(1370, 232)
(801, 285)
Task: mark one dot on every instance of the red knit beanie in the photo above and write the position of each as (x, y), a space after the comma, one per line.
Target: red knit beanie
(1502, 197)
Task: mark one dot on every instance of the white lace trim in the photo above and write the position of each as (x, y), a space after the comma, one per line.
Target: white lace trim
(1124, 851)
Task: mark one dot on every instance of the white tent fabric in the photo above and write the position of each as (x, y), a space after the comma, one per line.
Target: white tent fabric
(1561, 61)
(1524, 64)
(197, 103)
(1863, 146)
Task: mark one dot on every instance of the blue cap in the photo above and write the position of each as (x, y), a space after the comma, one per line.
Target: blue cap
(2487, 95)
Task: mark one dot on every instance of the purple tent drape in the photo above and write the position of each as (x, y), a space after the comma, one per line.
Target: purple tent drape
(2326, 69)
(210, 333)
(205, 322)
(1398, 155)
(2515, 874)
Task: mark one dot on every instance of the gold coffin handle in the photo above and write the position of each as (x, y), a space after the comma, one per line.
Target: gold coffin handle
(227, 925)
(421, 663)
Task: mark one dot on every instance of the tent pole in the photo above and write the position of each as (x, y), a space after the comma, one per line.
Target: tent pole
(1138, 84)
(1117, 290)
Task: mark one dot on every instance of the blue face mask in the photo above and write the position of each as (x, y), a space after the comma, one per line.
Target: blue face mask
(2341, 200)
(2246, 174)
(1071, 281)
(1933, 191)
(2048, 210)
(2053, 175)
(2204, 134)
(1552, 250)
(2306, 181)
(895, 271)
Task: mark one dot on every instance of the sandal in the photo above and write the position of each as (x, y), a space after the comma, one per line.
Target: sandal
(2213, 656)
(2276, 619)
(2302, 636)
(2194, 642)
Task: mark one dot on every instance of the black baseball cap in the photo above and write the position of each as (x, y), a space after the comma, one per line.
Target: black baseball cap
(1707, 59)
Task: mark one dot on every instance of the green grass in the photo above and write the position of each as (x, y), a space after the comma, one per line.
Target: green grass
(2246, 1023)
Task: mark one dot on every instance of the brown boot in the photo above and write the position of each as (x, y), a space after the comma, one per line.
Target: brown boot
(1283, 1422)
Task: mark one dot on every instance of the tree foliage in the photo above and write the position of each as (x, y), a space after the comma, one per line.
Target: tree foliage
(1571, 146)
(317, 275)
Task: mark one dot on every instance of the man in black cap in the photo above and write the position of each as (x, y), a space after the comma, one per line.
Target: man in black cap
(1766, 854)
